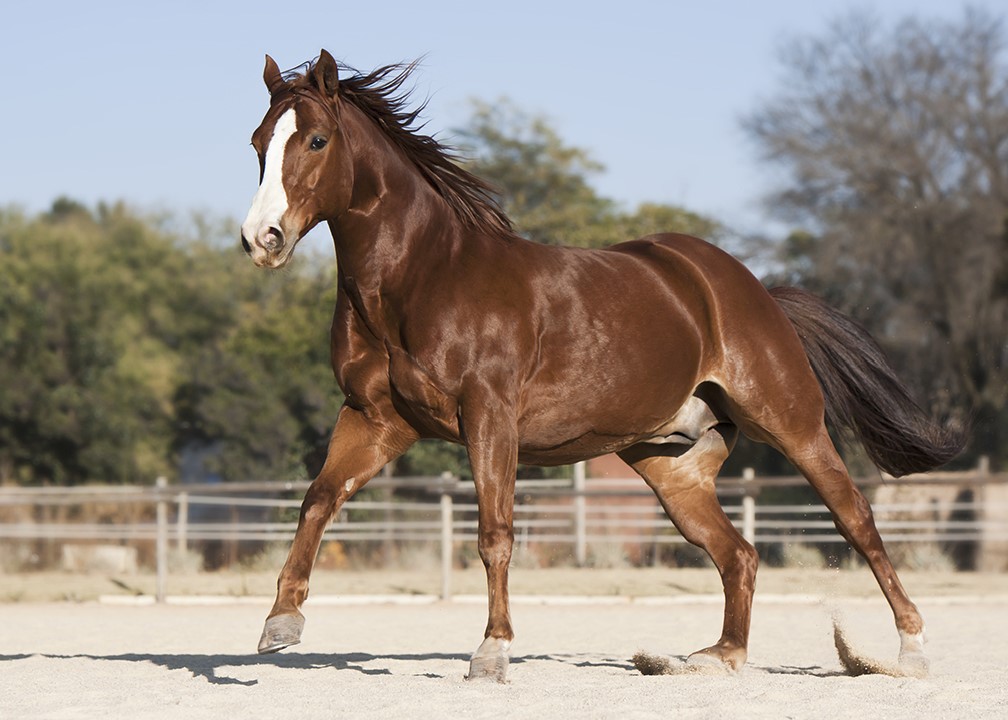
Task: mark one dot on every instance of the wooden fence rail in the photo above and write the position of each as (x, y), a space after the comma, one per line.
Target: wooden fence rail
(441, 511)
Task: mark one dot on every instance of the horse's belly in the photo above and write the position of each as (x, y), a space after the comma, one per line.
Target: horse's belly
(561, 428)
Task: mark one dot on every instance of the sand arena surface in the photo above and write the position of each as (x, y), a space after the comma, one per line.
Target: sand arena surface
(570, 660)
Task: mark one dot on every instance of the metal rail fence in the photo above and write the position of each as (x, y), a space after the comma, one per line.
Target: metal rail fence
(442, 510)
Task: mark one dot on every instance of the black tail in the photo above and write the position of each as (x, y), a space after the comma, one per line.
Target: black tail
(863, 394)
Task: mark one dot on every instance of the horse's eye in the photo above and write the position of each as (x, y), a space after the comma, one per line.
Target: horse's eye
(318, 143)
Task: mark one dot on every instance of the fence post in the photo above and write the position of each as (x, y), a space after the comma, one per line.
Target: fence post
(748, 506)
(447, 539)
(182, 523)
(387, 495)
(991, 517)
(580, 531)
(161, 549)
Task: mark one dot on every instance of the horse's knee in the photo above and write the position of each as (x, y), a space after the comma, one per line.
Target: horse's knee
(495, 545)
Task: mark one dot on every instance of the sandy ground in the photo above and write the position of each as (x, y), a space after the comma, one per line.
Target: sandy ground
(571, 658)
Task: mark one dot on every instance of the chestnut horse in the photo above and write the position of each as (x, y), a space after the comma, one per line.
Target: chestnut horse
(449, 325)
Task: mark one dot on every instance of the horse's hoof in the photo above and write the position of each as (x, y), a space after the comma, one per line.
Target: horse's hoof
(912, 660)
(914, 665)
(715, 660)
(491, 667)
(281, 631)
(490, 661)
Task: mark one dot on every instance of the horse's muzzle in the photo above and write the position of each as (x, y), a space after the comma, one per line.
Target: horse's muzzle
(267, 246)
(269, 237)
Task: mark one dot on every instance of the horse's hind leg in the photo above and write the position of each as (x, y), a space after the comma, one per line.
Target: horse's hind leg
(683, 480)
(357, 451)
(819, 462)
(788, 415)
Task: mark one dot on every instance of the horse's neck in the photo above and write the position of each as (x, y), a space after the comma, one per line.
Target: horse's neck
(396, 222)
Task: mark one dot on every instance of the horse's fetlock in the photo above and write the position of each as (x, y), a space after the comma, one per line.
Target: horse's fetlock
(910, 623)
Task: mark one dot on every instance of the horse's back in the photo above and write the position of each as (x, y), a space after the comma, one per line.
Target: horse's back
(720, 287)
(685, 256)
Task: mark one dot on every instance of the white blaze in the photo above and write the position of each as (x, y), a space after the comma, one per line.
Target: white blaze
(270, 201)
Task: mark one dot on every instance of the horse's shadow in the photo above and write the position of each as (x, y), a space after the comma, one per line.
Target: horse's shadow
(209, 667)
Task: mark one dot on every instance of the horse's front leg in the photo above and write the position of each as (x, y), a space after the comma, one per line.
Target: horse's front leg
(492, 443)
(358, 449)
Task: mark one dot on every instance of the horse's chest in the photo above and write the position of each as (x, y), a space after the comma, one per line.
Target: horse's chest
(421, 398)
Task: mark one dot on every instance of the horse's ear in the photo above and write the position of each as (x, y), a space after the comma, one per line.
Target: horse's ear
(271, 76)
(326, 74)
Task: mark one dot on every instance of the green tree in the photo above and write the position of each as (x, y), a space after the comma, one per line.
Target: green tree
(123, 345)
(85, 349)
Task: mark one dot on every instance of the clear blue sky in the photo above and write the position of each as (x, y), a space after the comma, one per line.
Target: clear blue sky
(154, 104)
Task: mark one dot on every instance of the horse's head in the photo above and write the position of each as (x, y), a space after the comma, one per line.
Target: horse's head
(304, 166)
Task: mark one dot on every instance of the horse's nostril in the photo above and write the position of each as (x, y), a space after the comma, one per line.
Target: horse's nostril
(245, 245)
(274, 238)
